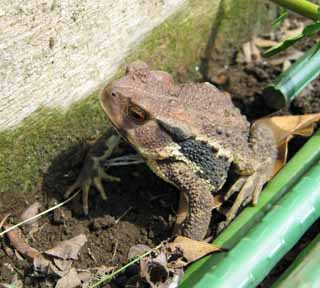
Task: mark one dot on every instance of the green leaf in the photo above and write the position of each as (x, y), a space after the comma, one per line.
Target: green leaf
(283, 45)
(308, 31)
(311, 29)
(278, 22)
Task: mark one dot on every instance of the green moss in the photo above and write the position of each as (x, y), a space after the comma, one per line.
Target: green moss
(26, 152)
(239, 21)
(176, 46)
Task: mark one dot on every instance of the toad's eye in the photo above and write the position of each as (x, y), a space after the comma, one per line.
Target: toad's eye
(137, 114)
(113, 94)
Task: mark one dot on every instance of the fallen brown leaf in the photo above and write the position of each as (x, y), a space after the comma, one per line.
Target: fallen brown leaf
(31, 211)
(191, 250)
(264, 43)
(251, 52)
(137, 250)
(68, 249)
(285, 128)
(154, 270)
(20, 244)
(70, 280)
(58, 260)
(103, 270)
(63, 266)
(290, 55)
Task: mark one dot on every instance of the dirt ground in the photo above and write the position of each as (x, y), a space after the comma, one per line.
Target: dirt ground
(141, 208)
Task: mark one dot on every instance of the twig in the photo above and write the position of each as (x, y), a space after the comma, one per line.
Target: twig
(115, 250)
(91, 255)
(4, 219)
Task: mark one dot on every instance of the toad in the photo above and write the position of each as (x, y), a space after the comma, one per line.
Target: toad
(191, 135)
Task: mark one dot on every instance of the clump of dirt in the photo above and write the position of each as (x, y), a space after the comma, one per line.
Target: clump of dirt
(141, 208)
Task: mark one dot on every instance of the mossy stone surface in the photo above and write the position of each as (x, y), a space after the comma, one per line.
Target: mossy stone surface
(177, 46)
(238, 21)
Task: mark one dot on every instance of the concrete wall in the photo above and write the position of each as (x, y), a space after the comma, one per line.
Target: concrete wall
(56, 52)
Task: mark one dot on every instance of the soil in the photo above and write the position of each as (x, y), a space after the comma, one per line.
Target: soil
(141, 208)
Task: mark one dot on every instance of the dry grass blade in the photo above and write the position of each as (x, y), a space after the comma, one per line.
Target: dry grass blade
(113, 274)
(38, 215)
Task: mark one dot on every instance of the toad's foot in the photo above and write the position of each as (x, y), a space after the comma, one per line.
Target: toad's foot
(249, 188)
(92, 172)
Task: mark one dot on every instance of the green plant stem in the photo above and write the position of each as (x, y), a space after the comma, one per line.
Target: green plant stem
(302, 7)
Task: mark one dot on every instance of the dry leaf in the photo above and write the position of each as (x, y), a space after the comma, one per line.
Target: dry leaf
(191, 250)
(61, 267)
(103, 270)
(85, 277)
(292, 32)
(70, 280)
(59, 259)
(264, 43)
(255, 52)
(290, 55)
(68, 249)
(285, 128)
(246, 48)
(20, 244)
(137, 250)
(155, 271)
(251, 52)
(286, 64)
(31, 211)
(41, 264)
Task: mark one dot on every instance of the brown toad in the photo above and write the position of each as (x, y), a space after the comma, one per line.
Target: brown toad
(192, 136)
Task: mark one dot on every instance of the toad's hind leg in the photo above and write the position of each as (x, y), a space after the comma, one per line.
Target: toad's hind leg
(252, 179)
(249, 189)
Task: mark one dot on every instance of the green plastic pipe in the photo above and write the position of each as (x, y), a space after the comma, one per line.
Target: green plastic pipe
(294, 80)
(252, 215)
(302, 7)
(305, 270)
(255, 254)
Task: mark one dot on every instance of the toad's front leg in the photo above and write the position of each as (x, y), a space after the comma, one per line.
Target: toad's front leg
(197, 194)
(92, 172)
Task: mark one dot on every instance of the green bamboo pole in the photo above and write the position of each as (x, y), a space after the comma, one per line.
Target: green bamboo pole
(249, 217)
(305, 270)
(257, 253)
(291, 82)
(302, 7)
